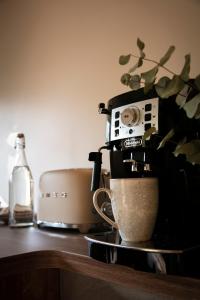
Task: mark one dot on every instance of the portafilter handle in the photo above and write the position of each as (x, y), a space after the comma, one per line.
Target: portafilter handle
(96, 157)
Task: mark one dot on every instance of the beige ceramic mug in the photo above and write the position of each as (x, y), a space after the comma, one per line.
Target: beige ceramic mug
(135, 204)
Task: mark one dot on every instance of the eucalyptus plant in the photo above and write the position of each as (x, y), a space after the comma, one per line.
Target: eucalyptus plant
(179, 86)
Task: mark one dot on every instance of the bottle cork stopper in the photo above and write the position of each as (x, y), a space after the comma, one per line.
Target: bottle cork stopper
(20, 135)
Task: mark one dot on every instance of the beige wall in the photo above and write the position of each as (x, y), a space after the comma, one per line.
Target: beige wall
(59, 59)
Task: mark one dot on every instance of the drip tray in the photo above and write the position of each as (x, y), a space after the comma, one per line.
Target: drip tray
(160, 256)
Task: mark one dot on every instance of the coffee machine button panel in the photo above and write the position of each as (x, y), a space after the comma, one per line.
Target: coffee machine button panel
(132, 120)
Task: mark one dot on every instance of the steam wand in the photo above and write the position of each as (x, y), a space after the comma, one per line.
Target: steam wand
(96, 157)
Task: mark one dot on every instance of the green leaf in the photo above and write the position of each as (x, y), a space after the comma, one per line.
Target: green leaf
(124, 59)
(134, 82)
(148, 133)
(167, 55)
(148, 86)
(197, 114)
(142, 54)
(197, 82)
(182, 96)
(137, 65)
(161, 85)
(180, 100)
(173, 87)
(186, 68)
(140, 44)
(191, 150)
(125, 79)
(166, 138)
(150, 75)
(191, 106)
(194, 158)
(140, 62)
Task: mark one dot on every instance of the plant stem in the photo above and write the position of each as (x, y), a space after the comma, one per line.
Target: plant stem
(155, 62)
(168, 70)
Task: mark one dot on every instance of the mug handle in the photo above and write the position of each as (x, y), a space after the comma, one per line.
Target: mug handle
(96, 205)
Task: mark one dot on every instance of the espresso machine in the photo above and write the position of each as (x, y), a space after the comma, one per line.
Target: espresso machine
(128, 116)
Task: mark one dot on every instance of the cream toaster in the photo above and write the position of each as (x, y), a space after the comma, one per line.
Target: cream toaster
(66, 199)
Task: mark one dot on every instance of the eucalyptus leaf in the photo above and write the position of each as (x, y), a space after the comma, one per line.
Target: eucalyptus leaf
(134, 82)
(194, 158)
(148, 86)
(166, 138)
(191, 150)
(150, 75)
(167, 55)
(191, 106)
(186, 68)
(140, 62)
(140, 44)
(125, 78)
(180, 100)
(197, 114)
(124, 59)
(142, 54)
(137, 65)
(148, 133)
(197, 82)
(174, 86)
(181, 142)
(161, 85)
(182, 96)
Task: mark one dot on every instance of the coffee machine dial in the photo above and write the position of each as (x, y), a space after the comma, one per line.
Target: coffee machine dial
(132, 120)
(130, 116)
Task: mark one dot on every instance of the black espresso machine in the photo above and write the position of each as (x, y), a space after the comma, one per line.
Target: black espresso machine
(129, 115)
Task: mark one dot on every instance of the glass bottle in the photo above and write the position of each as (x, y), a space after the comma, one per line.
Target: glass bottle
(20, 188)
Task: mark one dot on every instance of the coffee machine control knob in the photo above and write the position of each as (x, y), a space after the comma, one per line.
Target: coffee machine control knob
(130, 116)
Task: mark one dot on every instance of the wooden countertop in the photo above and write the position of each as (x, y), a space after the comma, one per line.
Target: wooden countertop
(14, 241)
(25, 249)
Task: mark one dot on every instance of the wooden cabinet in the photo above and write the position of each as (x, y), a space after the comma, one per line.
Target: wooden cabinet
(41, 284)
(37, 264)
